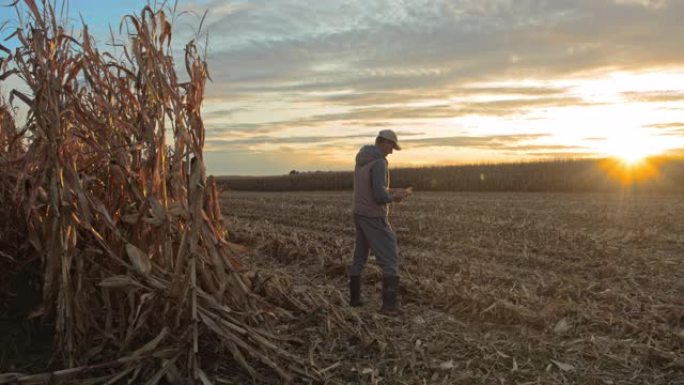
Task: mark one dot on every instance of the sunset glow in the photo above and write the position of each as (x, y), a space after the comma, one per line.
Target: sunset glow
(633, 148)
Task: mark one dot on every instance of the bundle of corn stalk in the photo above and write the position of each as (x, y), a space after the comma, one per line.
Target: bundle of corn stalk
(137, 272)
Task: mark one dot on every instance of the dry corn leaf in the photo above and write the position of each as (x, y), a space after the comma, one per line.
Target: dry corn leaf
(119, 281)
(562, 327)
(563, 366)
(204, 378)
(447, 365)
(140, 260)
(152, 345)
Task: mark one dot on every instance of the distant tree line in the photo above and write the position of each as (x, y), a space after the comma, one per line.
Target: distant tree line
(585, 175)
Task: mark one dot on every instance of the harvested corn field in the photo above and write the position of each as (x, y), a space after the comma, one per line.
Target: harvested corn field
(117, 265)
(498, 288)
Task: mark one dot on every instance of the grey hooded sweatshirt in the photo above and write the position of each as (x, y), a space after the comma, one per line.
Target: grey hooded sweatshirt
(371, 183)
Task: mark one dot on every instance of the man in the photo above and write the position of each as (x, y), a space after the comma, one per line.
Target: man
(372, 196)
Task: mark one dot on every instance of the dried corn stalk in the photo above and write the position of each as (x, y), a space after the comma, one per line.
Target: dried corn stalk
(128, 226)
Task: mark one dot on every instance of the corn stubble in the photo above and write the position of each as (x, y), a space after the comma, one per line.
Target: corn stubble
(498, 288)
(138, 275)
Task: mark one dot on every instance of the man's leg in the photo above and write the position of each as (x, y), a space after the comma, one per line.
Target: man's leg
(383, 242)
(361, 251)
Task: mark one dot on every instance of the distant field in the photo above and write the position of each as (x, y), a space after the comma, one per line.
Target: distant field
(582, 175)
(499, 287)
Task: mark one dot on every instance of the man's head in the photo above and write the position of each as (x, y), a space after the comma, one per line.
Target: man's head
(387, 141)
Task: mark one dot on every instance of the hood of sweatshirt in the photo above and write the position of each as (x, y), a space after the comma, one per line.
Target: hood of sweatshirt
(367, 154)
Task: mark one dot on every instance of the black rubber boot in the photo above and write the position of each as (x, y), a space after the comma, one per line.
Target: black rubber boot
(355, 291)
(390, 292)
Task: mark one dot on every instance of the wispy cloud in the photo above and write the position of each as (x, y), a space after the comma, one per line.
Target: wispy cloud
(655, 97)
(667, 126)
(485, 142)
(394, 98)
(265, 139)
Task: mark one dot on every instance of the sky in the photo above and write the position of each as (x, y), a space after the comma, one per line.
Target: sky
(302, 84)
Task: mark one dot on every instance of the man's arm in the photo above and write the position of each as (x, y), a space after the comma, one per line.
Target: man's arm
(378, 175)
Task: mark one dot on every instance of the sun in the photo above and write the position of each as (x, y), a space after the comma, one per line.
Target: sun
(633, 149)
(632, 156)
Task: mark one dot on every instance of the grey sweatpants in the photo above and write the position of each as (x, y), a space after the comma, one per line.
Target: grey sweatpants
(375, 234)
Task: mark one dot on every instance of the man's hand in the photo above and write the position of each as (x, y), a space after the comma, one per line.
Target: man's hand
(399, 194)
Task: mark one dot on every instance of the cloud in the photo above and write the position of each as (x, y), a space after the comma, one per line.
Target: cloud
(667, 126)
(222, 113)
(671, 129)
(655, 96)
(220, 130)
(382, 98)
(547, 151)
(521, 90)
(519, 106)
(644, 3)
(563, 155)
(217, 129)
(491, 108)
(481, 142)
(212, 10)
(265, 139)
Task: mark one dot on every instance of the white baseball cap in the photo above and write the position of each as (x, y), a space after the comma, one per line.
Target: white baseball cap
(391, 136)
